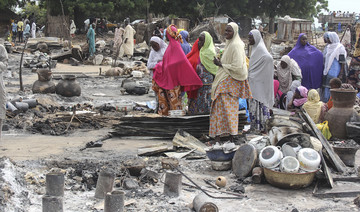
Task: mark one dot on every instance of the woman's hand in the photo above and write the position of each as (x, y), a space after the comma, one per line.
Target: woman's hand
(217, 62)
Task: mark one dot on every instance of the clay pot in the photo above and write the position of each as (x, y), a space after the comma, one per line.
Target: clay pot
(347, 154)
(68, 86)
(343, 98)
(44, 74)
(43, 87)
(341, 112)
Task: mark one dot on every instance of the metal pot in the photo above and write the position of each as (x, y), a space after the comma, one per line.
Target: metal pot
(289, 180)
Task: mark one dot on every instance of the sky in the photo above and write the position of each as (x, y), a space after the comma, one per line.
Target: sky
(344, 5)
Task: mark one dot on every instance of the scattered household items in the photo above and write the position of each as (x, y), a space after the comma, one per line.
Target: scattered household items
(309, 159)
(341, 112)
(221, 181)
(21, 104)
(68, 86)
(346, 149)
(270, 157)
(135, 87)
(203, 203)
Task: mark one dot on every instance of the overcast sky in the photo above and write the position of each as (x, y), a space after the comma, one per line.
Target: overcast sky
(344, 5)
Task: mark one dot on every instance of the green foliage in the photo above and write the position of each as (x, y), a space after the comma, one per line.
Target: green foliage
(39, 13)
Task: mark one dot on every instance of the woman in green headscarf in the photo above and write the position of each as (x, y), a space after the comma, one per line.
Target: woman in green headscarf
(200, 101)
(91, 39)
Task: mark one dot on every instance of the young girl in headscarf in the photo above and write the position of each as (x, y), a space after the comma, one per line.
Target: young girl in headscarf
(185, 45)
(229, 85)
(287, 71)
(158, 48)
(314, 107)
(173, 74)
(299, 98)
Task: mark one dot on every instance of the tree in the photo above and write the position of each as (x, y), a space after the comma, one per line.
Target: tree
(39, 13)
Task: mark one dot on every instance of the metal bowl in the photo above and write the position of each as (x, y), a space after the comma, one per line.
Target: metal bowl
(289, 180)
(220, 155)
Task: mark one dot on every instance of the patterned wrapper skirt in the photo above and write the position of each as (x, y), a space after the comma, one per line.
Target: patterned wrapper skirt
(168, 99)
(224, 118)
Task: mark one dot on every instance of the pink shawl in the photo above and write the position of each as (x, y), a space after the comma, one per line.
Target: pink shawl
(175, 69)
(303, 92)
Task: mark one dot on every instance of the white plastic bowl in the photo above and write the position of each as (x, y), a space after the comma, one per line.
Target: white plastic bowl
(309, 159)
(289, 164)
(270, 157)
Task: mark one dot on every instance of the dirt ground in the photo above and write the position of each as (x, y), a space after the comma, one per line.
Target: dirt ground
(33, 155)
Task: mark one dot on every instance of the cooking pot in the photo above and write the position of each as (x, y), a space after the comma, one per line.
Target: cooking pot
(270, 157)
(289, 164)
(309, 159)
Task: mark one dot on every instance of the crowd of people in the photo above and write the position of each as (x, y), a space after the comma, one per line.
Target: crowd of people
(214, 83)
(22, 29)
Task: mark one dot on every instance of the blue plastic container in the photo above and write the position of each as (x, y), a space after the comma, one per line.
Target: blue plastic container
(219, 155)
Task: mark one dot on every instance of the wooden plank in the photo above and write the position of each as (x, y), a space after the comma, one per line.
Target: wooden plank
(178, 155)
(156, 149)
(338, 163)
(340, 189)
(184, 139)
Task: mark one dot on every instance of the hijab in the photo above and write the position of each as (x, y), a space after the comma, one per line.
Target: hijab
(193, 56)
(261, 71)
(347, 37)
(156, 56)
(313, 105)
(233, 61)
(285, 74)
(207, 54)
(303, 93)
(310, 60)
(185, 45)
(175, 69)
(334, 49)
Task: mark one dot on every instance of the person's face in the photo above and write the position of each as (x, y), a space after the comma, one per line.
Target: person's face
(201, 41)
(303, 40)
(283, 64)
(155, 46)
(297, 95)
(251, 39)
(326, 40)
(229, 32)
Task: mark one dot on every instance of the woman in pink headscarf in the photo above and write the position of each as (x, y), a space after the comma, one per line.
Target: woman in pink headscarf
(173, 75)
(299, 98)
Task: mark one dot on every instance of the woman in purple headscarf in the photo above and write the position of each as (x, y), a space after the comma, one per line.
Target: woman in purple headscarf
(310, 60)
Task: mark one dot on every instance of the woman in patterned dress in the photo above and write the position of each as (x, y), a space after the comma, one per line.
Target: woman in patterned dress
(200, 102)
(229, 85)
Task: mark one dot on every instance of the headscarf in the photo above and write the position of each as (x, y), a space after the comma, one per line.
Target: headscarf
(326, 36)
(334, 49)
(313, 105)
(295, 84)
(194, 55)
(72, 27)
(233, 61)
(285, 74)
(194, 59)
(156, 56)
(175, 69)
(185, 45)
(261, 71)
(310, 60)
(303, 93)
(91, 36)
(347, 37)
(207, 54)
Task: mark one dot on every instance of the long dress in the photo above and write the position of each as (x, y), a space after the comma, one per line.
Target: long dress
(91, 37)
(261, 73)
(229, 85)
(33, 30)
(310, 60)
(127, 48)
(202, 103)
